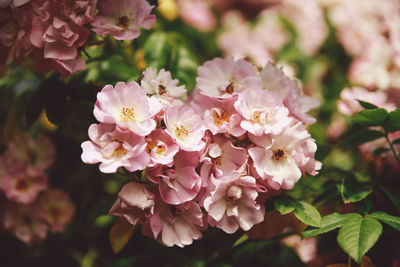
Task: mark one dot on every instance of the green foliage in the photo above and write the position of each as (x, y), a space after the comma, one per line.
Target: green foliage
(386, 218)
(353, 191)
(371, 117)
(304, 211)
(364, 136)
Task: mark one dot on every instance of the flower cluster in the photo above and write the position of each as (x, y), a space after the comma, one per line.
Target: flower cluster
(53, 33)
(31, 208)
(212, 159)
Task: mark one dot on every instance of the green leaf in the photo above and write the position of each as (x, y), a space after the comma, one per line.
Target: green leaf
(186, 67)
(157, 50)
(395, 200)
(285, 206)
(358, 235)
(366, 105)
(386, 218)
(120, 234)
(353, 191)
(393, 123)
(379, 151)
(307, 213)
(329, 223)
(396, 142)
(364, 136)
(371, 117)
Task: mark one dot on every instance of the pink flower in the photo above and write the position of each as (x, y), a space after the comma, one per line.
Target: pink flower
(180, 183)
(127, 106)
(185, 127)
(162, 87)
(80, 12)
(197, 13)
(273, 79)
(114, 148)
(161, 148)
(13, 3)
(305, 248)
(224, 78)
(123, 20)
(233, 203)
(20, 187)
(283, 158)
(262, 111)
(176, 225)
(23, 222)
(135, 202)
(220, 116)
(56, 209)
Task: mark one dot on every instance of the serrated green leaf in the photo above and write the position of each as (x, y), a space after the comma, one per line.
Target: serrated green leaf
(284, 206)
(329, 223)
(307, 213)
(386, 218)
(371, 117)
(366, 105)
(379, 151)
(357, 236)
(364, 136)
(353, 191)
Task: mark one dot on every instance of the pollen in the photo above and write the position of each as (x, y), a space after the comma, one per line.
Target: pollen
(279, 154)
(123, 22)
(162, 89)
(230, 88)
(127, 115)
(160, 149)
(220, 118)
(181, 131)
(260, 117)
(119, 152)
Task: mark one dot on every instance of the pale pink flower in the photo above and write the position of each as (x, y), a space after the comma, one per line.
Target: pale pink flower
(224, 78)
(233, 203)
(305, 248)
(18, 186)
(35, 154)
(185, 127)
(161, 148)
(80, 12)
(56, 209)
(262, 111)
(285, 157)
(24, 223)
(123, 20)
(180, 183)
(114, 148)
(348, 104)
(220, 116)
(176, 225)
(127, 106)
(162, 87)
(197, 13)
(274, 79)
(135, 202)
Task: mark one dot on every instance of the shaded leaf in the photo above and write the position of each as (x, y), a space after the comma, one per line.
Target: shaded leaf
(366, 262)
(307, 213)
(120, 234)
(156, 50)
(329, 223)
(284, 206)
(371, 117)
(379, 151)
(393, 123)
(353, 191)
(357, 236)
(396, 142)
(395, 200)
(386, 218)
(364, 136)
(366, 105)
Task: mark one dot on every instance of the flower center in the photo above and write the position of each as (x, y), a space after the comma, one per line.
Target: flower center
(230, 88)
(127, 115)
(234, 193)
(123, 21)
(217, 161)
(220, 117)
(260, 116)
(181, 131)
(119, 152)
(279, 154)
(22, 185)
(162, 89)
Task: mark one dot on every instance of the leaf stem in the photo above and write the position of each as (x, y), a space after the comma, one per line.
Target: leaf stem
(391, 147)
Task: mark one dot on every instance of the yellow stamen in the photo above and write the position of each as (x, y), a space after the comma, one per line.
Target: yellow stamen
(127, 115)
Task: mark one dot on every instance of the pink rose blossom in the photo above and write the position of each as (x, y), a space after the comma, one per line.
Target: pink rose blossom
(305, 248)
(56, 209)
(233, 203)
(23, 222)
(127, 106)
(162, 87)
(114, 148)
(224, 78)
(80, 12)
(123, 20)
(198, 14)
(135, 202)
(176, 225)
(180, 183)
(262, 112)
(20, 187)
(185, 127)
(161, 148)
(285, 157)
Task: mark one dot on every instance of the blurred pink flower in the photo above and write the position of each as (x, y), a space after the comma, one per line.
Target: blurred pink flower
(114, 148)
(23, 222)
(127, 106)
(305, 248)
(56, 209)
(197, 13)
(123, 20)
